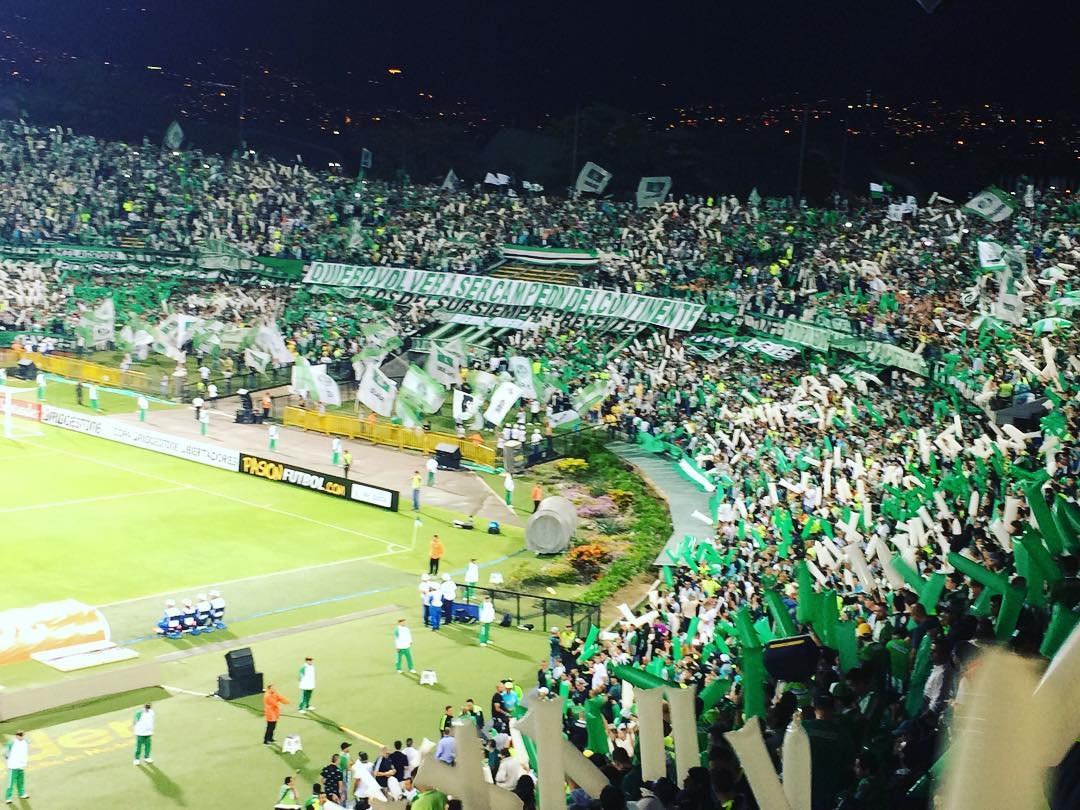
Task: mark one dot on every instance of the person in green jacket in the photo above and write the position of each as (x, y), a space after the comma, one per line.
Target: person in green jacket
(307, 685)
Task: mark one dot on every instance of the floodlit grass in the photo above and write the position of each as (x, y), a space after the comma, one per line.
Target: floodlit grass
(102, 522)
(208, 752)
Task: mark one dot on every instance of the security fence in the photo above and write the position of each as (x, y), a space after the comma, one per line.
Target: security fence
(542, 612)
(379, 431)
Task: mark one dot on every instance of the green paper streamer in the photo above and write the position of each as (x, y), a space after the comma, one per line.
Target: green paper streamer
(595, 726)
(931, 592)
(530, 750)
(898, 649)
(910, 575)
(763, 630)
(1024, 567)
(981, 606)
(1062, 622)
(1047, 526)
(806, 607)
(827, 619)
(913, 700)
(993, 581)
(744, 629)
(785, 628)
(753, 683)
(1068, 522)
(1010, 611)
(691, 631)
(715, 692)
(847, 645)
(589, 648)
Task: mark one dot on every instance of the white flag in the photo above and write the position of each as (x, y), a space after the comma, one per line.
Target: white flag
(258, 360)
(991, 255)
(502, 400)
(521, 371)
(652, 191)
(593, 178)
(451, 181)
(269, 339)
(993, 205)
(497, 179)
(321, 387)
(482, 382)
(563, 418)
(423, 389)
(174, 136)
(443, 364)
(377, 391)
(98, 326)
(466, 406)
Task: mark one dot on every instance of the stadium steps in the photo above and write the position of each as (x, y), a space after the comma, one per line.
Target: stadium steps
(683, 498)
(132, 242)
(544, 274)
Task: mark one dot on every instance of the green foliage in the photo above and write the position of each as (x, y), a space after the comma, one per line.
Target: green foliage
(648, 530)
(524, 576)
(606, 525)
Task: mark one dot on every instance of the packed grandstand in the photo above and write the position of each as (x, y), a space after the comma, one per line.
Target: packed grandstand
(878, 397)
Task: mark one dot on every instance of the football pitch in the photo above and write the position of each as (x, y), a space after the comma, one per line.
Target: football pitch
(122, 528)
(103, 522)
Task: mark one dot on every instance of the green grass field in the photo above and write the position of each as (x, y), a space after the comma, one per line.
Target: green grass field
(122, 528)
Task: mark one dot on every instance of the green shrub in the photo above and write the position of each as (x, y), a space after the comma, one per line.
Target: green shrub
(607, 525)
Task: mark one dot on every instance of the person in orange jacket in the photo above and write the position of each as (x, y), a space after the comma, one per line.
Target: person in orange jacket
(435, 554)
(272, 700)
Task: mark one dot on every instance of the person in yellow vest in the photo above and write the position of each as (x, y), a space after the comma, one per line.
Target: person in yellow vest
(416, 482)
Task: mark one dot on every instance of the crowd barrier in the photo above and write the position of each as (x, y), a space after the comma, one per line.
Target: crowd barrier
(387, 434)
(87, 371)
(543, 611)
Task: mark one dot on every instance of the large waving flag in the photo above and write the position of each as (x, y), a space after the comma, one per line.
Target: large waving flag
(992, 204)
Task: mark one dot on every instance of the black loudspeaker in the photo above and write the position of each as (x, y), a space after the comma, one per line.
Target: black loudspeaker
(1024, 418)
(241, 663)
(791, 659)
(245, 417)
(231, 688)
(448, 456)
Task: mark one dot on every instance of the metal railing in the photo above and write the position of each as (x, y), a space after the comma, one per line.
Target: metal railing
(381, 432)
(572, 443)
(543, 612)
(183, 388)
(92, 372)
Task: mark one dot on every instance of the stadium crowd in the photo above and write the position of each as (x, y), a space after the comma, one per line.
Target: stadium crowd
(883, 513)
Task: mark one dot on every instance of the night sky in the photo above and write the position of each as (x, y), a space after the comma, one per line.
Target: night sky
(550, 56)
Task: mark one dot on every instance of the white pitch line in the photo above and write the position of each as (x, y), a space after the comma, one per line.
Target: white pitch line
(198, 588)
(74, 501)
(21, 456)
(185, 485)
